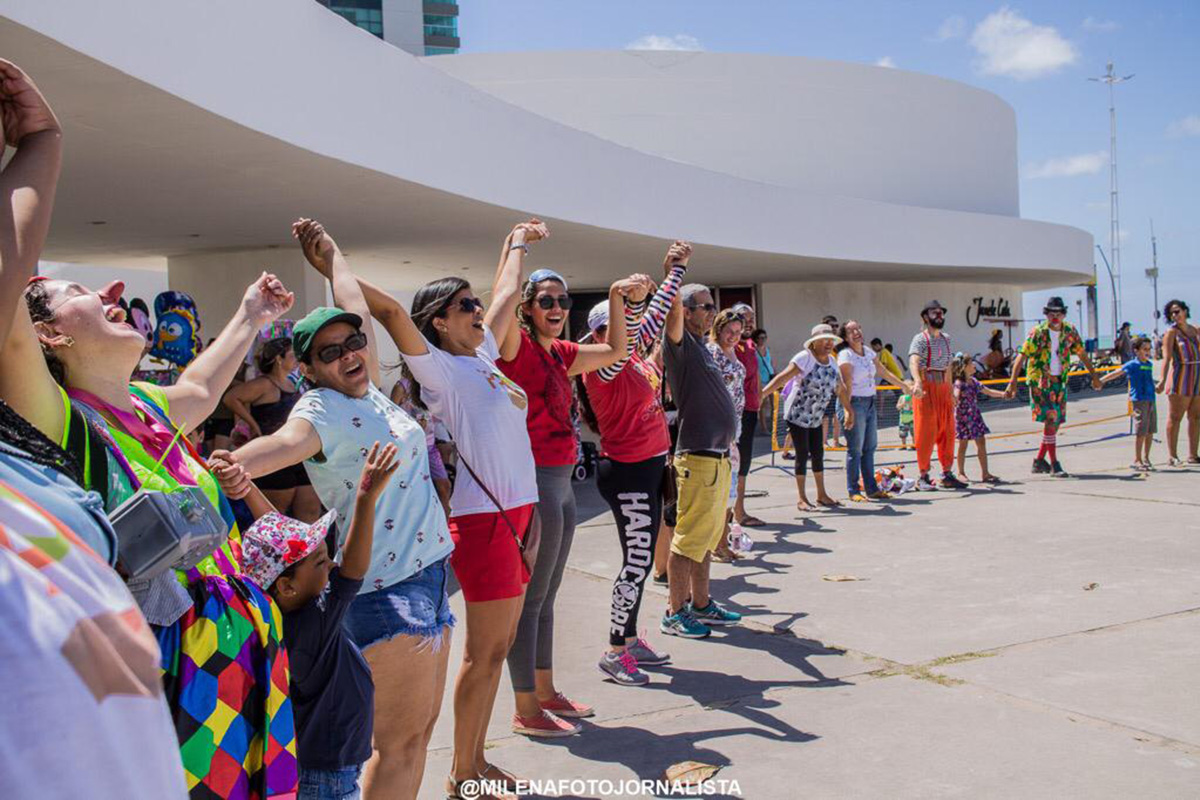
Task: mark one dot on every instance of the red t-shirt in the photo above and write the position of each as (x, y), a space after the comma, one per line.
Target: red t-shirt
(543, 376)
(629, 409)
(747, 353)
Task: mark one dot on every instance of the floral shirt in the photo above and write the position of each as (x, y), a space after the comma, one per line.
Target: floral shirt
(1036, 350)
(734, 373)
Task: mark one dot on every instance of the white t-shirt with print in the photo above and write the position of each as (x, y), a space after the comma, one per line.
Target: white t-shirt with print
(410, 525)
(1055, 361)
(485, 413)
(862, 371)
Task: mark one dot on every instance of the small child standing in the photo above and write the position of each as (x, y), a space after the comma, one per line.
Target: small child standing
(1140, 371)
(968, 420)
(331, 687)
(905, 406)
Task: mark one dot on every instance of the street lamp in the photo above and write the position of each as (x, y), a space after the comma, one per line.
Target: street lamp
(1113, 282)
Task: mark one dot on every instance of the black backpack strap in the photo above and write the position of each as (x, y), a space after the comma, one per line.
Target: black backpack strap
(90, 450)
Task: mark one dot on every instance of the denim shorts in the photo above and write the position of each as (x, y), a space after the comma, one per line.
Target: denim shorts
(416, 606)
(329, 784)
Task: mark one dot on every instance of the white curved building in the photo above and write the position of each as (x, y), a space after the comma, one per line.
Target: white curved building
(196, 131)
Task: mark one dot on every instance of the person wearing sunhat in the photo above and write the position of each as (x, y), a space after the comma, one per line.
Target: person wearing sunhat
(929, 357)
(1046, 356)
(401, 617)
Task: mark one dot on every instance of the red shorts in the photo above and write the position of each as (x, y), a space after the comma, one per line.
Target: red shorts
(486, 560)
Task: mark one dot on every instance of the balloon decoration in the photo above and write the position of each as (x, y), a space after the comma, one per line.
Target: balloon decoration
(177, 336)
(139, 318)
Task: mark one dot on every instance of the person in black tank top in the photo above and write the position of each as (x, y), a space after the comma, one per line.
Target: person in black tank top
(265, 403)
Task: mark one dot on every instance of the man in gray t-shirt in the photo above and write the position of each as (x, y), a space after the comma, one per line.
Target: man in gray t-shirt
(707, 425)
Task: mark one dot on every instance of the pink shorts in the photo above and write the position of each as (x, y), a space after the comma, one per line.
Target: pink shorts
(486, 559)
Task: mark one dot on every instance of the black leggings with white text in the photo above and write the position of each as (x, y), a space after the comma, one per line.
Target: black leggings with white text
(633, 491)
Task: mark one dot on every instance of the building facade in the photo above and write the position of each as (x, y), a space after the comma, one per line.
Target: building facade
(417, 26)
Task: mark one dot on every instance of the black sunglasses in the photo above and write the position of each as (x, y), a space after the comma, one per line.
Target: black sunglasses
(353, 343)
(705, 306)
(467, 305)
(547, 302)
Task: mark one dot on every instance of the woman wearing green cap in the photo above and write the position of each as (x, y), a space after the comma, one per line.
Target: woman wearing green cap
(401, 617)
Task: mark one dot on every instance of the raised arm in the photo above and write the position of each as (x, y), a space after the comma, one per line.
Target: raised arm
(501, 314)
(205, 380)
(296, 441)
(592, 357)
(356, 551)
(27, 185)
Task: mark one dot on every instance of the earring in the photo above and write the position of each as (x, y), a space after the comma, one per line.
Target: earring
(68, 341)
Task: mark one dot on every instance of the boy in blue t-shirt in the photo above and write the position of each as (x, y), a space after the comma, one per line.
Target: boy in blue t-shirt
(1140, 371)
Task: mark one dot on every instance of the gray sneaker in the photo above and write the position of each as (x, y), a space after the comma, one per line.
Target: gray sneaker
(646, 655)
(623, 669)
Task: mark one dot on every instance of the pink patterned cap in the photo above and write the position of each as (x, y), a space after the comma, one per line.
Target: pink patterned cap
(275, 542)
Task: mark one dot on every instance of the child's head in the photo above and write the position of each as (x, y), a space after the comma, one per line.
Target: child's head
(288, 558)
(1143, 348)
(962, 367)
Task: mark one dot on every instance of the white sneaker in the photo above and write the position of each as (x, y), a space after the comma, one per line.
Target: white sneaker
(926, 485)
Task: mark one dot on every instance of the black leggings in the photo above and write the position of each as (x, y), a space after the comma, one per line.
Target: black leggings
(808, 442)
(632, 490)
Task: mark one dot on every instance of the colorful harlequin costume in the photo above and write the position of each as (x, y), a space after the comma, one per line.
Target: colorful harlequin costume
(225, 670)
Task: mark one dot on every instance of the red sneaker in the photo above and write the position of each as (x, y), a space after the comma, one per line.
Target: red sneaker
(561, 706)
(546, 726)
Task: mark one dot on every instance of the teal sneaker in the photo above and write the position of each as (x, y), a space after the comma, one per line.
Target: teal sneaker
(683, 624)
(714, 614)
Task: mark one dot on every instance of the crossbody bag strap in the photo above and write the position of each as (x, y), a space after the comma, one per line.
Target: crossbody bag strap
(520, 541)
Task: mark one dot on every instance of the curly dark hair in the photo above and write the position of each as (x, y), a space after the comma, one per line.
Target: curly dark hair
(1172, 303)
(38, 302)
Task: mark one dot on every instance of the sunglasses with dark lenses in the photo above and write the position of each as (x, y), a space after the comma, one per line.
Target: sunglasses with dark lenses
(353, 343)
(705, 306)
(547, 302)
(467, 305)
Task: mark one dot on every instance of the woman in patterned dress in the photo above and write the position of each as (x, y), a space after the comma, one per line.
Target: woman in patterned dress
(1181, 380)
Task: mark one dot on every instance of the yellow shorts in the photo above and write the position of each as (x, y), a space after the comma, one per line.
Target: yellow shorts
(700, 513)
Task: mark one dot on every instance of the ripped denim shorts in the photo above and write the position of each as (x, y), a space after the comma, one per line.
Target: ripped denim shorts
(416, 606)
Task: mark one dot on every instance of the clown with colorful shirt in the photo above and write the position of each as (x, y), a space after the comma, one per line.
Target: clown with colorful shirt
(1046, 355)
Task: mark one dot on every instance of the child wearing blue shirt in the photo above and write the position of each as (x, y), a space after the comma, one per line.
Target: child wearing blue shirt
(1140, 371)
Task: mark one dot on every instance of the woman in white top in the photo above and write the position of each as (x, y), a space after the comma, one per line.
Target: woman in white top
(450, 347)
(860, 366)
(817, 380)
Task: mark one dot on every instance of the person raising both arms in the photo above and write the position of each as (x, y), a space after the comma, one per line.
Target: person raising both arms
(535, 357)
(400, 617)
(264, 404)
(623, 404)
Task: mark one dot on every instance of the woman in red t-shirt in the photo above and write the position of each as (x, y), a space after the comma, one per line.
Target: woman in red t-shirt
(623, 403)
(542, 365)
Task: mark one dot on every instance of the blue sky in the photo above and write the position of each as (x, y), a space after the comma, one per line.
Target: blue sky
(1037, 56)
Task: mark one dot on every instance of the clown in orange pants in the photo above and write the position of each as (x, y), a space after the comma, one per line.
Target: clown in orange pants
(933, 424)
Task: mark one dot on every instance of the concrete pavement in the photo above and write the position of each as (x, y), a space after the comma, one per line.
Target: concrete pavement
(1034, 639)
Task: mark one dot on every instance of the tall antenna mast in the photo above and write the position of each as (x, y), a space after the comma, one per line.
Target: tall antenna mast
(1114, 231)
(1152, 274)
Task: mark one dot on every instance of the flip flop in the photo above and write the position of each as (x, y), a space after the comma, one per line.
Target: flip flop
(751, 522)
(828, 503)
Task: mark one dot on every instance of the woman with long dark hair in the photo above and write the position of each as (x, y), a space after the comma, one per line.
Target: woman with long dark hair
(623, 404)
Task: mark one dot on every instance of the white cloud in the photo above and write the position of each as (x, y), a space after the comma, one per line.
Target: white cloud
(1093, 25)
(886, 61)
(680, 41)
(952, 27)
(1188, 126)
(1068, 166)
(1012, 46)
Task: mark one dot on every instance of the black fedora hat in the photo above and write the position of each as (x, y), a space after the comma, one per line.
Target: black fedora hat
(1055, 304)
(932, 305)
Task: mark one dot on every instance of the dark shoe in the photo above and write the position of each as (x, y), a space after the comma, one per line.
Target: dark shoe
(951, 482)
(1057, 471)
(1041, 466)
(661, 580)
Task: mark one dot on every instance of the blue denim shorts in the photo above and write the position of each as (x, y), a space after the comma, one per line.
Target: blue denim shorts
(329, 784)
(416, 606)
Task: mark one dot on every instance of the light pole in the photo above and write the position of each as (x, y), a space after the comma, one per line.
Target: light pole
(1152, 274)
(1113, 282)
(1114, 214)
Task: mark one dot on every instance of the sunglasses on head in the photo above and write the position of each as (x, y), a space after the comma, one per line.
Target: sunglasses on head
(563, 301)
(705, 306)
(353, 343)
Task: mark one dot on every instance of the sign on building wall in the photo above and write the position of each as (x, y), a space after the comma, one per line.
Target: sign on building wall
(977, 310)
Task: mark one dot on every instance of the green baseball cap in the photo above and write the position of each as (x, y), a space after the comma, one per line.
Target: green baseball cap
(304, 331)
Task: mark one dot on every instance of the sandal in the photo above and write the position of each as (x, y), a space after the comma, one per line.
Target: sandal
(830, 503)
(749, 521)
(858, 498)
(454, 790)
(880, 495)
(1174, 462)
(992, 479)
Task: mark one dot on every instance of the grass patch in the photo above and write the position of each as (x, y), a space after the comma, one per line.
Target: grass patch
(958, 659)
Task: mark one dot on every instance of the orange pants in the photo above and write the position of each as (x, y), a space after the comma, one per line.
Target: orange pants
(933, 422)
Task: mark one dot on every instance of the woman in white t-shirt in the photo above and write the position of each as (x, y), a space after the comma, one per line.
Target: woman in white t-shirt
(817, 379)
(860, 365)
(450, 347)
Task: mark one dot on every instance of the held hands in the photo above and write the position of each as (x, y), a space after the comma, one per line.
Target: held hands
(1096, 382)
(1010, 391)
(918, 389)
(678, 253)
(266, 300)
(531, 231)
(635, 288)
(847, 418)
(380, 466)
(231, 475)
(318, 246)
(23, 110)
(1162, 386)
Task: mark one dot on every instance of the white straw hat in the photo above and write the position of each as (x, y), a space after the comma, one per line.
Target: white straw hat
(823, 332)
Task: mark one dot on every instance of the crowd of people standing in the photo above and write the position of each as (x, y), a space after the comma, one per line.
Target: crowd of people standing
(308, 651)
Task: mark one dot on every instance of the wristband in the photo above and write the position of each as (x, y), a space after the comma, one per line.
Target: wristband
(524, 247)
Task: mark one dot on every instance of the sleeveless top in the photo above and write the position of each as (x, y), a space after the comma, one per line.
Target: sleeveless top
(271, 416)
(1185, 372)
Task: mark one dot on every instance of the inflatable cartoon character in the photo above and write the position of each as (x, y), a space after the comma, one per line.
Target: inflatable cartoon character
(177, 338)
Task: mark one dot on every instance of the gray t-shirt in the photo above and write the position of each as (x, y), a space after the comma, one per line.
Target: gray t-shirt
(707, 420)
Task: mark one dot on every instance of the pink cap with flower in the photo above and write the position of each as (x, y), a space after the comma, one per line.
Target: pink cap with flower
(275, 542)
